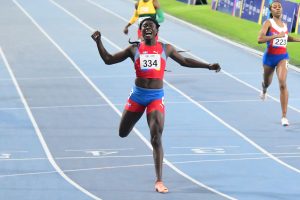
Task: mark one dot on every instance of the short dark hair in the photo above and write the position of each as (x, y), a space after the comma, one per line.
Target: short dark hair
(149, 19)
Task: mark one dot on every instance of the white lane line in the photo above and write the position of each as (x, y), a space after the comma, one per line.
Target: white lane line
(114, 76)
(206, 147)
(32, 119)
(69, 77)
(289, 145)
(81, 150)
(44, 78)
(122, 104)
(77, 170)
(230, 159)
(186, 96)
(118, 76)
(281, 155)
(109, 102)
(139, 165)
(59, 107)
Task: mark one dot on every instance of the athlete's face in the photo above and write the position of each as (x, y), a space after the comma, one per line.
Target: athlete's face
(276, 9)
(148, 29)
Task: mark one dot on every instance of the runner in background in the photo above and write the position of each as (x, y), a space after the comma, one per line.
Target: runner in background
(144, 9)
(275, 33)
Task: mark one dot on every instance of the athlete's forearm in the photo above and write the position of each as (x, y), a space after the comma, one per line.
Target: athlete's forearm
(264, 38)
(198, 64)
(191, 63)
(134, 17)
(293, 39)
(127, 26)
(106, 57)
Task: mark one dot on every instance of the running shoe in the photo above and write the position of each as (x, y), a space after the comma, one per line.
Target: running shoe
(284, 121)
(159, 187)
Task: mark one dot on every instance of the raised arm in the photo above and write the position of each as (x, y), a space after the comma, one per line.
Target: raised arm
(262, 36)
(107, 57)
(189, 62)
(133, 19)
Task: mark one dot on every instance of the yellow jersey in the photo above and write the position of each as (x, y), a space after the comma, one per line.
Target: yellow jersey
(145, 8)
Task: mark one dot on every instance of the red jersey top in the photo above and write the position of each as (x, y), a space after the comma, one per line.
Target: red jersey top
(277, 45)
(150, 61)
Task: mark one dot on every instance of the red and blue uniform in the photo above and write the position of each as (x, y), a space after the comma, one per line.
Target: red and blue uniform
(276, 48)
(149, 62)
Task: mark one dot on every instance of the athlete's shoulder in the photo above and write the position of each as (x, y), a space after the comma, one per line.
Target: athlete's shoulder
(131, 49)
(268, 22)
(169, 49)
(135, 45)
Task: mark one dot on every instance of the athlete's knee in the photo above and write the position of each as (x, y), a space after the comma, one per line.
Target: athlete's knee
(156, 133)
(156, 125)
(267, 81)
(124, 132)
(282, 86)
(266, 84)
(156, 140)
(123, 135)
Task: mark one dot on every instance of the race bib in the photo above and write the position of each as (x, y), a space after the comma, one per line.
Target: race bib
(150, 61)
(280, 42)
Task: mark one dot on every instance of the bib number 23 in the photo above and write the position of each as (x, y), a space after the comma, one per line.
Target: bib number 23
(280, 42)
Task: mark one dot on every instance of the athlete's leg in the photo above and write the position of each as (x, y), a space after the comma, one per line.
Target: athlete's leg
(267, 76)
(131, 114)
(156, 123)
(267, 80)
(282, 75)
(156, 118)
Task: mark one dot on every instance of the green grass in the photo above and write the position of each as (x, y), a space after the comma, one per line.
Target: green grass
(296, 1)
(239, 30)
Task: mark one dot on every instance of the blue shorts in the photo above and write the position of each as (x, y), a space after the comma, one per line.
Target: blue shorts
(142, 98)
(272, 60)
(145, 96)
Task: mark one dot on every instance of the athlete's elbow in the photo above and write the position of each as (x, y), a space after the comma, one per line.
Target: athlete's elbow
(108, 62)
(184, 64)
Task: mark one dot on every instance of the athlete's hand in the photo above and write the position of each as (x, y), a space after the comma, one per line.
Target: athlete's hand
(125, 30)
(281, 35)
(214, 66)
(96, 36)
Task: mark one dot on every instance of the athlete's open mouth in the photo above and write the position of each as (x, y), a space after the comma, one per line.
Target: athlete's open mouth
(148, 32)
